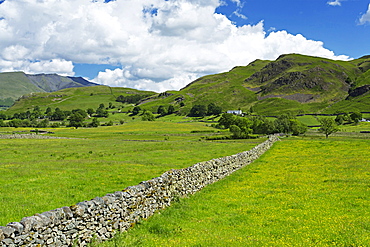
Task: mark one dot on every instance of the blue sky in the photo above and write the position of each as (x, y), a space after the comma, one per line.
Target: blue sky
(338, 26)
(163, 45)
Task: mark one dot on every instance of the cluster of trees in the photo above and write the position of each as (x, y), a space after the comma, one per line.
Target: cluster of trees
(203, 110)
(131, 99)
(37, 118)
(163, 111)
(353, 117)
(243, 127)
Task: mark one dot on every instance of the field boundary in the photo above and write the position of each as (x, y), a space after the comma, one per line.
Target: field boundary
(102, 217)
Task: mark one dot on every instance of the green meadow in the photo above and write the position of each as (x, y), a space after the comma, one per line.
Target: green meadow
(303, 192)
(38, 175)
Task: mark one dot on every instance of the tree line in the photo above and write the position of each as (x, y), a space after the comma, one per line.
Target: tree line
(244, 127)
(37, 118)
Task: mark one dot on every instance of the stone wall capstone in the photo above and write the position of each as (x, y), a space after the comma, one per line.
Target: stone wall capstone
(102, 217)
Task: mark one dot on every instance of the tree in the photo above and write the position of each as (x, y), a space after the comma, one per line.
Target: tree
(48, 111)
(328, 126)
(136, 110)
(213, 109)
(171, 109)
(198, 111)
(161, 110)
(81, 112)
(226, 120)
(90, 111)
(58, 115)
(297, 127)
(339, 119)
(101, 112)
(356, 116)
(76, 120)
(240, 132)
(43, 124)
(3, 116)
(282, 123)
(147, 116)
(95, 123)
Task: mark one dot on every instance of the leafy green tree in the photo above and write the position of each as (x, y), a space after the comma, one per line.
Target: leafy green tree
(226, 120)
(95, 123)
(297, 127)
(101, 112)
(162, 110)
(213, 109)
(136, 110)
(147, 116)
(48, 111)
(356, 117)
(2, 123)
(240, 132)
(282, 123)
(339, 119)
(328, 126)
(198, 111)
(81, 112)
(90, 111)
(262, 125)
(3, 116)
(43, 124)
(170, 109)
(76, 120)
(58, 115)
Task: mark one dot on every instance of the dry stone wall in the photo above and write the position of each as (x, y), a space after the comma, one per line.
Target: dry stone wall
(101, 217)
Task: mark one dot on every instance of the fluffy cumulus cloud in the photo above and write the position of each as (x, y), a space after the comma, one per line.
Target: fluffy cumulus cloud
(335, 3)
(365, 18)
(160, 45)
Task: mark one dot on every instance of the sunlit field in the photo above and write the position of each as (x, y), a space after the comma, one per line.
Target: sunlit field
(302, 192)
(38, 175)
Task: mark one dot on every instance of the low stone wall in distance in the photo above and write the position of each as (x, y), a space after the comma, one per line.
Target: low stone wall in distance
(102, 217)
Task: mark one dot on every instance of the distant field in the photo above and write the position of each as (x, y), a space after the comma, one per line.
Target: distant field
(302, 192)
(40, 175)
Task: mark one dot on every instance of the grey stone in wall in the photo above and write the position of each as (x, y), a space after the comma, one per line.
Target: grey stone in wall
(102, 217)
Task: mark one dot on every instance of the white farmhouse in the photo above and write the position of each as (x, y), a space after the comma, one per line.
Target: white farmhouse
(236, 112)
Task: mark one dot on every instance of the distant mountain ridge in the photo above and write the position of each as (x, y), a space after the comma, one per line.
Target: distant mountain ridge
(15, 84)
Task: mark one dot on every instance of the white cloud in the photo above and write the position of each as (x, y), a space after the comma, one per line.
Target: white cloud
(161, 45)
(365, 17)
(335, 3)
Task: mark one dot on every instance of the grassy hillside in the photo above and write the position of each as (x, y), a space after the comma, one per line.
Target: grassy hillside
(293, 83)
(74, 98)
(13, 85)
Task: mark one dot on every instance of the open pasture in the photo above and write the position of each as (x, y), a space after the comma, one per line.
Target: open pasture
(302, 192)
(38, 175)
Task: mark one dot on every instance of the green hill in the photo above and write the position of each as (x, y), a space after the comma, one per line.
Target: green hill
(15, 84)
(292, 83)
(74, 98)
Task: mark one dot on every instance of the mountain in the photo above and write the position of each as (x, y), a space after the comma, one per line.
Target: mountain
(292, 83)
(15, 84)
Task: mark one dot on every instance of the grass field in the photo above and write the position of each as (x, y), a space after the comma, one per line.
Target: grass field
(38, 175)
(303, 192)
